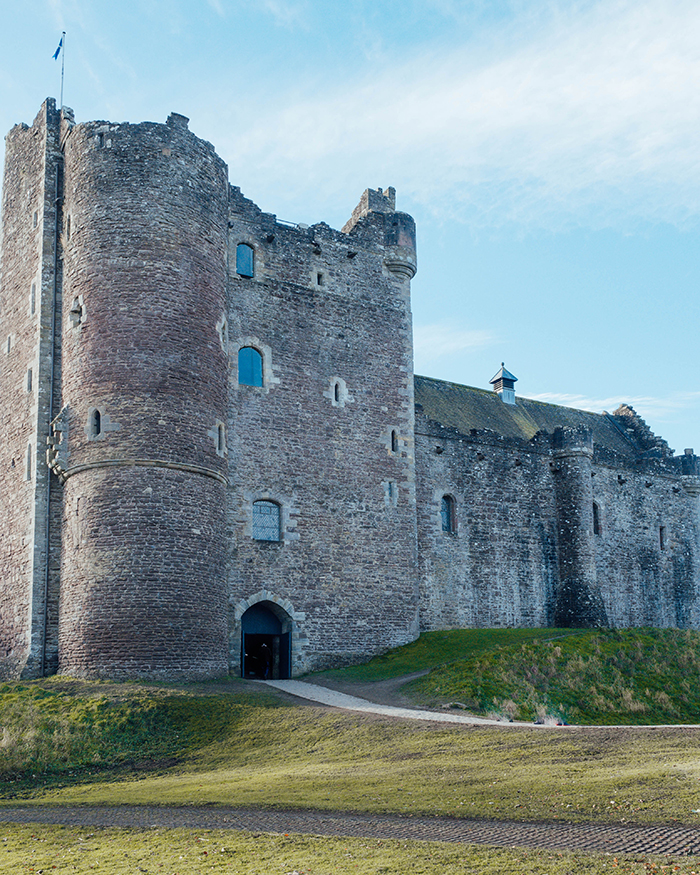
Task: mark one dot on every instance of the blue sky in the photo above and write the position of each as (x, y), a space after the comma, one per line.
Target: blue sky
(548, 151)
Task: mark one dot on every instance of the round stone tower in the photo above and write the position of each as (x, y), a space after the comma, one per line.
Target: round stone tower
(140, 442)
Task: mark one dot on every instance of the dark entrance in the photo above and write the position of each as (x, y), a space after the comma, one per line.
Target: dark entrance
(265, 642)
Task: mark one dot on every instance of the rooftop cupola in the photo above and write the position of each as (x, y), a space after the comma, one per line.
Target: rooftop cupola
(504, 385)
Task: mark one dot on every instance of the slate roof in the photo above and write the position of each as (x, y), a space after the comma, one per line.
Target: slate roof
(465, 407)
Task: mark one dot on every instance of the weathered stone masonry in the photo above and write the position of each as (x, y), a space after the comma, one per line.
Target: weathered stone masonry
(198, 369)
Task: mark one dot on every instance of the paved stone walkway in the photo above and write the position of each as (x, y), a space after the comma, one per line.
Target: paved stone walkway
(614, 839)
(326, 696)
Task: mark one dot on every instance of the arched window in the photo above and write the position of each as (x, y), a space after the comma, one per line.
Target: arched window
(96, 423)
(596, 520)
(250, 367)
(336, 392)
(447, 512)
(245, 260)
(394, 442)
(266, 521)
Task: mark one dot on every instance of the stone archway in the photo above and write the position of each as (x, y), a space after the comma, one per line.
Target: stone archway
(266, 642)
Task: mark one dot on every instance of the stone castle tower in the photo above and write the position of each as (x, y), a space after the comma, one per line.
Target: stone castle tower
(194, 363)
(215, 455)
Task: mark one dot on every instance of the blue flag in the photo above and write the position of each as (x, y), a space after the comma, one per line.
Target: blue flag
(58, 50)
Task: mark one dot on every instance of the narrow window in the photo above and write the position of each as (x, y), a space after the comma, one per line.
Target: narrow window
(32, 300)
(35, 219)
(28, 468)
(68, 228)
(394, 442)
(96, 423)
(250, 367)
(29, 380)
(266, 521)
(319, 279)
(9, 344)
(662, 537)
(244, 260)
(77, 312)
(336, 392)
(221, 442)
(596, 519)
(447, 512)
(100, 141)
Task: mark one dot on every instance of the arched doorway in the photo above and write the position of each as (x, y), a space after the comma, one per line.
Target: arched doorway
(266, 642)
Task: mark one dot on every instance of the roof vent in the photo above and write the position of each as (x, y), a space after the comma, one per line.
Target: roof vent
(504, 385)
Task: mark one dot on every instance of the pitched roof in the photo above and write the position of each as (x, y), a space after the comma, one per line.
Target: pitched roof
(503, 374)
(465, 407)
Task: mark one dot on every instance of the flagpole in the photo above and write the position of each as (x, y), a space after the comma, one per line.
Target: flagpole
(63, 66)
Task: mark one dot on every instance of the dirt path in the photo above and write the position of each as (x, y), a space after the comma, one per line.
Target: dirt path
(610, 838)
(382, 692)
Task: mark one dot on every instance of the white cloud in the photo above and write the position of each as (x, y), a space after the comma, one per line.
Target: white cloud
(592, 112)
(659, 409)
(431, 342)
(286, 13)
(218, 7)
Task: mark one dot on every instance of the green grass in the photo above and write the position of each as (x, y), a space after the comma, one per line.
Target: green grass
(59, 850)
(59, 729)
(242, 749)
(600, 676)
(633, 676)
(228, 743)
(435, 648)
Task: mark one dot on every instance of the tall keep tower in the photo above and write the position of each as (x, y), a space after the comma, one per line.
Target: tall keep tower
(140, 437)
(208, 416)
(113, 298)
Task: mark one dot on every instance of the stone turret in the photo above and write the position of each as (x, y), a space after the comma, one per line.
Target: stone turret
(578, 601)
(396, 231)
(142, 449)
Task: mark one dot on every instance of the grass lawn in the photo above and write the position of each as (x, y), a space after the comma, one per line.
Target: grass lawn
(67, 742)
(44, 849)
(596, 676)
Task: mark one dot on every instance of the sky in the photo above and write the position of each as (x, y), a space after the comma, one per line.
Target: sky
(548, 150)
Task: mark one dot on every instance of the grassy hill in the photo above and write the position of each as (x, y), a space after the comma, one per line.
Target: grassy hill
(68, 742)
(601, 676)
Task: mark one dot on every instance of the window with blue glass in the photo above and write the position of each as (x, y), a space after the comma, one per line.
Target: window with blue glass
(447, 512)
(250, 367)
(245, 261)
(266, 521)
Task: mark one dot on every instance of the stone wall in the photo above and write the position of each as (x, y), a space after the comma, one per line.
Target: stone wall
(528, 548)
(30, 216)
(144, 386)
(647, 547)
(324, 310)
(499, 565)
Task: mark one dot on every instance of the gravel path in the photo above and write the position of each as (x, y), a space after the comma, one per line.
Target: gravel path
(613, 838)
(593, 837)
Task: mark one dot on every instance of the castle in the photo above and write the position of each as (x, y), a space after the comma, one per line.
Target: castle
(216, 457)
